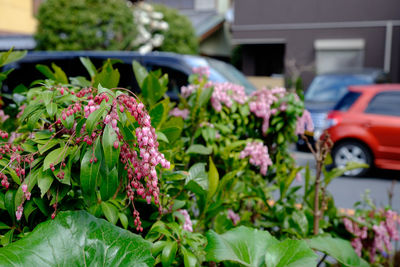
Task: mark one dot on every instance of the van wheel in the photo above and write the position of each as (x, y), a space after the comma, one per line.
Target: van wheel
(352, 151)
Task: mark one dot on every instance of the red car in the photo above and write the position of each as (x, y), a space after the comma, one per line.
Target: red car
(365, 127)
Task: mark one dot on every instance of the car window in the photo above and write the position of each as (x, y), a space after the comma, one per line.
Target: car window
(347, 101)
(330, 88)
(176, 78)
(385, 103)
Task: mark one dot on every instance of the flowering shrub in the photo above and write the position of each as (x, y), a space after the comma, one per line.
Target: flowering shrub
(373, 233)
(183, 175)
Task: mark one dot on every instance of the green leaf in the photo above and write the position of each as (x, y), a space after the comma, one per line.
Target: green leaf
(109, 184)
(110, 211)
(162, 137)
(45, 179)
(123, 219)
(11, 56)
(88, 66)
(59, 74)
(90, 172)
(51, 109)
(108, 77)
(290, 253)
(47, 96)
(9, 203)
(94, 118)
(76, 238)
(199, 149)
(189, 259)
(198, 174)
(140, 72)
(111, 155)
(241, 245)
(172, 133)
(48, 145)
(168, 253)
(336, 172)
(157, 114)
(337, 248)
(213, 179)
(4, 226)
(55, 157)
(152, 90)
(7, 238)
(34, 118)
(205, 96)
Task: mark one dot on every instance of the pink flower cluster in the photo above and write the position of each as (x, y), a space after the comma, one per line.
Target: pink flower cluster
(186, 91)
(304, 123)
(141, 167)
(90, 108)
(225, 93)
(202, 71)
(261, 102)
(383, 233)
(258, 155)
(188, 222)
(233, 216)
(183, 113)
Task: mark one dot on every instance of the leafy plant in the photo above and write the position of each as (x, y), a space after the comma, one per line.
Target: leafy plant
(78, 238)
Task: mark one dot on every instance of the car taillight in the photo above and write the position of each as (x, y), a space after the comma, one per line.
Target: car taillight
(332, 120)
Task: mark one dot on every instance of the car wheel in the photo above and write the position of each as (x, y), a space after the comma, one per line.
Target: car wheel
(351, 151)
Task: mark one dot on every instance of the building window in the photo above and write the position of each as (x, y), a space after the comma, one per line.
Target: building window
(338, 54)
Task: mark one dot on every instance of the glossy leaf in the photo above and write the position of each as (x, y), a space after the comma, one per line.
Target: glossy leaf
(111, 155)
(157, 114)
(110, 211)
(51, 109)
(290, 253)
(337, 248)
(88, 66)
(140, 72)
(89, 176)
(55, 157)
(109, 184)
(242, 245)
(76, 238)
(168, 253)
(213, 178)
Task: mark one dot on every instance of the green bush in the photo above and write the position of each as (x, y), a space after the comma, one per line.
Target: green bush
(85, 25)
(180, 37)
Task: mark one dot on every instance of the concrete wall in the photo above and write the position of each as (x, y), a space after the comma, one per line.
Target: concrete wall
(16, 16)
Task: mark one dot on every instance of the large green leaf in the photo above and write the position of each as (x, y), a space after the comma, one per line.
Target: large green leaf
(242, 245)
(157, 115)
(290, 253)
(337, 248)
(111, 154)
(76, 238)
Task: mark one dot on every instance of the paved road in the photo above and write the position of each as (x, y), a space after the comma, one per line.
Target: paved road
(348, 190)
